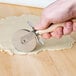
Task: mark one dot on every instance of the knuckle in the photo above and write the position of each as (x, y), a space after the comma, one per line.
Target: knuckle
(45, 14)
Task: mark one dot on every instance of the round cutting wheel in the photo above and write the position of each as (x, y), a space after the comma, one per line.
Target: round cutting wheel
(24, 40)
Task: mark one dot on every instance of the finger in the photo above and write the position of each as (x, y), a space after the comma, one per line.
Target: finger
(74, 26)
(58, 32)
(43, 24)
(46, 35)
(68, 28)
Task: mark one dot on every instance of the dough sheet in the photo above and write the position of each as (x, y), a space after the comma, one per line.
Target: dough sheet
(9, 25)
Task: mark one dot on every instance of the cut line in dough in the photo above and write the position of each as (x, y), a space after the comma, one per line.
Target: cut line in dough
(9, 25)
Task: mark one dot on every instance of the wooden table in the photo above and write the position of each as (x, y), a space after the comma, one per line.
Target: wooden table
(53, 63)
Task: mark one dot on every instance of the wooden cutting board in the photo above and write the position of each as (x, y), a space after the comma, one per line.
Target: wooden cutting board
(53, 63)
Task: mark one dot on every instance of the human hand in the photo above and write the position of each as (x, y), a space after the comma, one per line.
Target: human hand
(57, 12)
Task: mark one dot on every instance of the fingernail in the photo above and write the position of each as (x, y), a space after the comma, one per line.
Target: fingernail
(57, 33)
(69, 24)
(46, 35)
(67, 31)
(74, 27)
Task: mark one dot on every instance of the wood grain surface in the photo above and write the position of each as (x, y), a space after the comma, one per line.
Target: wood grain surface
(53, 63)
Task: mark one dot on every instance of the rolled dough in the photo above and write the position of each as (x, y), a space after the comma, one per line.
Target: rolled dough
(9, 25)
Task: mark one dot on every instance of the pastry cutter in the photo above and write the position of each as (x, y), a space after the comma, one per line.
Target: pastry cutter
(25, 40)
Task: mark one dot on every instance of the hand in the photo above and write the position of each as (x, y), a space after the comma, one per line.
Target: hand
(57, 12)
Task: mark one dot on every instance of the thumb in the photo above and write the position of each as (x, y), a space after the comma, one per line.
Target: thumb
(43, 24)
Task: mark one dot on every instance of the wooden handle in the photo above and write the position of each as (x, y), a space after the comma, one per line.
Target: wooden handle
(51, 28)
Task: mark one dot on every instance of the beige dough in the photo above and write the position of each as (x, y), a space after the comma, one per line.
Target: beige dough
(10, 25)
